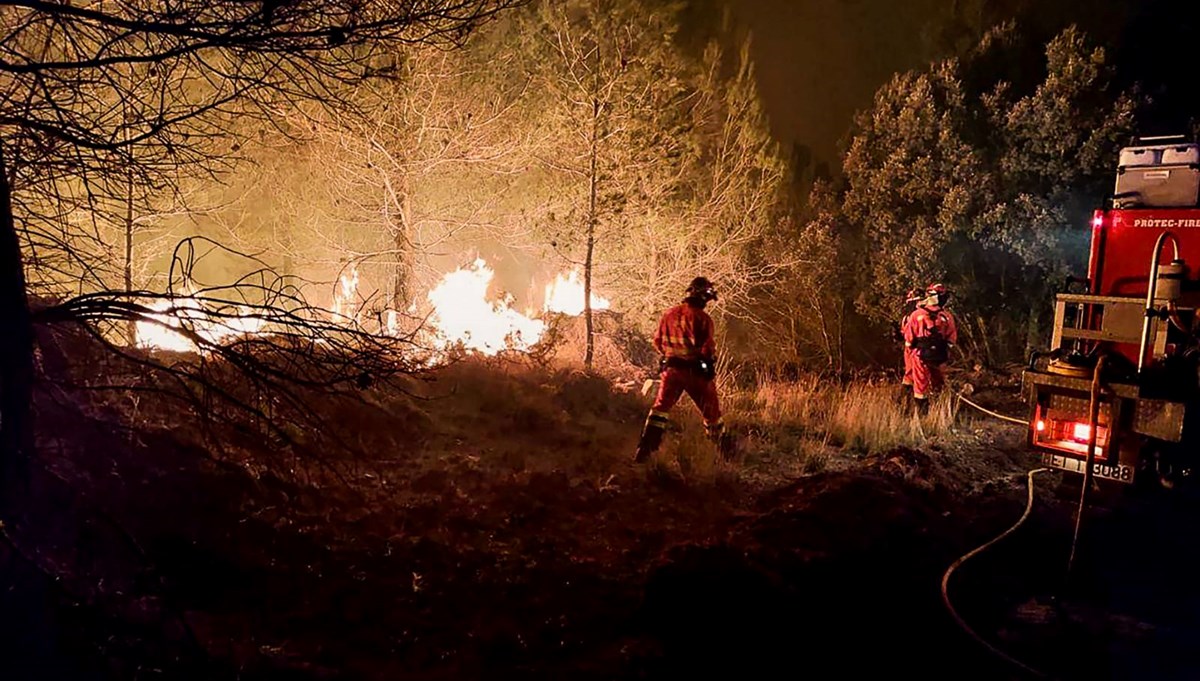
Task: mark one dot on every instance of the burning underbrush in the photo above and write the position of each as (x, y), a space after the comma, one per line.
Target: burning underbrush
(621, 352)
(464, 312)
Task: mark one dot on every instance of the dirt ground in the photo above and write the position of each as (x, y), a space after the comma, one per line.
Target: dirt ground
(505, 534)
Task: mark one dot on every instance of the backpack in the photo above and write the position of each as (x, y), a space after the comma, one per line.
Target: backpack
(933, 349)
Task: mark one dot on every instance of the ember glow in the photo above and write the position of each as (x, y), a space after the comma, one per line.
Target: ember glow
(190, 314)
(463, 314)
(565, 295)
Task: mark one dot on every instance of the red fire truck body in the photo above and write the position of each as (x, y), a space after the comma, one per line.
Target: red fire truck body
(1122, 245)
(1138, 311)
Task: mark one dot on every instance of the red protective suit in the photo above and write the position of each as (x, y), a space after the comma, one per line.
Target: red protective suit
(908, 379)
(685, 332)
(685, 337)
(675, 382)
(926, 379)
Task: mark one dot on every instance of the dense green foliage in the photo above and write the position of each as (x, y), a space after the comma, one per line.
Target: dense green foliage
(955, 175)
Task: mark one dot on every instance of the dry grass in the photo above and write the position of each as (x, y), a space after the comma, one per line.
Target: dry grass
(814, 455)
(513, 417)
(689, 456)
(806, 418)
(526, 419)
(796, 405)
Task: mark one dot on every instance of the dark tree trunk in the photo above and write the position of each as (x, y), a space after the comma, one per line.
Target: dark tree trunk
(589, 353)
(16, 352)
(401, 229)
(400, 293)
(130, 326)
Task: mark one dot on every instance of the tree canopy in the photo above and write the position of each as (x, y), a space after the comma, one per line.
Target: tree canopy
(958, 177)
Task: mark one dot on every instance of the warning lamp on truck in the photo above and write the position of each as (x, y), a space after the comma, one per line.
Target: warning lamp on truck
(1081, 432)
(1068, 436)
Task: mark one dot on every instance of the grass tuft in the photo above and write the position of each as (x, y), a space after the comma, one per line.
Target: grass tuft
(805, 418)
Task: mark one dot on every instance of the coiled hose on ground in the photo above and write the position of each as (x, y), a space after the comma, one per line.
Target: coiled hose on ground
(1093, 416)
(971, 554)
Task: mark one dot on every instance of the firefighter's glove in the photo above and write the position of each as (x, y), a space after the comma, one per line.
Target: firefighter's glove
(708, 368)
(662, 364)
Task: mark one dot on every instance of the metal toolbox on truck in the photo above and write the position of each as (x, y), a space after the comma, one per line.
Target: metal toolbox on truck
(1184, 154)
(1158, 176)
(1178, 152)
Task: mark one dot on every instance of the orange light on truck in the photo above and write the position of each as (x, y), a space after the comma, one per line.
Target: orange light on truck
(1041, 426)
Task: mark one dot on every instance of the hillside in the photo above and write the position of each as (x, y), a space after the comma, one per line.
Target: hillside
(489, 524)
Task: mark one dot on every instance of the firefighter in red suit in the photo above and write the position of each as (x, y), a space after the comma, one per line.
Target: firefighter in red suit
(685, 341)
(910, 306)
(928, 336)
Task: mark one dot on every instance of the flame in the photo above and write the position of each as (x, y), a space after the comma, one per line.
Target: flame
(190, 314)
(391, 324)
(462, 314)
(565, 295)
(343, 295)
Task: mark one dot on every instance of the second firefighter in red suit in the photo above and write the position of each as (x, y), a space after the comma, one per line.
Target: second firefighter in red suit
(910, 306)
(928, 336)
(686, 341)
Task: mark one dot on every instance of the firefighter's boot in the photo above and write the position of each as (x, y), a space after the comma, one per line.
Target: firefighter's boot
(651, 439)
(727, 446)
(652, 435)
(922, 404)
(725, 442)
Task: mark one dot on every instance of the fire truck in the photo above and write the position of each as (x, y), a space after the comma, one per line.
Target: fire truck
(1120, 381)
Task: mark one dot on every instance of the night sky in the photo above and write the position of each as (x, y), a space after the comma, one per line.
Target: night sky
(819, 61)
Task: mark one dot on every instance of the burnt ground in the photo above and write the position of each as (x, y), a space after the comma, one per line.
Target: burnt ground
(511, 539)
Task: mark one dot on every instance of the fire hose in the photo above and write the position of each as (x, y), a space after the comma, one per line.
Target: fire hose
(989, 412)
(958, 619)
(1093, 418)
(971, 554)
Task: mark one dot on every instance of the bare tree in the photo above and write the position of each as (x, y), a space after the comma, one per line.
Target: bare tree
(736, 194)
(614, 93)
(423, 171)
(666, 165)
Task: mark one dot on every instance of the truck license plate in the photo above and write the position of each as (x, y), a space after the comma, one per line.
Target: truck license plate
(1120, 473)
